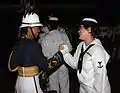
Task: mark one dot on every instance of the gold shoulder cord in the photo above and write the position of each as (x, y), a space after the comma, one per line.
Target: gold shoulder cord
(9, 63)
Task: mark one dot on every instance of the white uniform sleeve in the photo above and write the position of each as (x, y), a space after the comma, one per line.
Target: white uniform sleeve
(73, 61)
(70, 60)
(99, 70)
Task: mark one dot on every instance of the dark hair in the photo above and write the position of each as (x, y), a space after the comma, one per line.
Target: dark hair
(53, 24)
(91, 24)
(22, 32)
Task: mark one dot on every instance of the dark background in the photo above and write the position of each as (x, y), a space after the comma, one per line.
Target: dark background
(107, 13)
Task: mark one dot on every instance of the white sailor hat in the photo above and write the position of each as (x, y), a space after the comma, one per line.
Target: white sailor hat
(53, 18)
(90, 20)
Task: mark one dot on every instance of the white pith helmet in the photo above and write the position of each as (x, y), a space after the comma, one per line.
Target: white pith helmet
(30, 20)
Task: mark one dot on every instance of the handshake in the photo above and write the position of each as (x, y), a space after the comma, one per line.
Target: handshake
(63, 49)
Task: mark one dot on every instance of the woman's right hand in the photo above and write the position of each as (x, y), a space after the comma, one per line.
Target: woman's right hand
(63, 49)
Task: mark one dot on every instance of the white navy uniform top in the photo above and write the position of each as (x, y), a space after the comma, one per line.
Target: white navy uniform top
(51, 42)
(93, 73)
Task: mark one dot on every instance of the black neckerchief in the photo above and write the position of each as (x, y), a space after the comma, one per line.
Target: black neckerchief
(81, 57)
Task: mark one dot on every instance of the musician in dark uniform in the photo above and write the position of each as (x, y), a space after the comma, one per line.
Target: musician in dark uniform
(27, 57)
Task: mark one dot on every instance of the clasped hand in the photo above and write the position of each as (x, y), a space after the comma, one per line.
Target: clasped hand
(63, 48)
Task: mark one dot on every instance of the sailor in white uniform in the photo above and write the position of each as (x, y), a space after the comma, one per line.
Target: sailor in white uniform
(59, 80)
(90, 60)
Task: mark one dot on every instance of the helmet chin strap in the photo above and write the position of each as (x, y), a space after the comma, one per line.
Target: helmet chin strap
(32, 33)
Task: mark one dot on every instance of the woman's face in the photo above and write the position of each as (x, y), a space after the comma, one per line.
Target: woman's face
(83, 33)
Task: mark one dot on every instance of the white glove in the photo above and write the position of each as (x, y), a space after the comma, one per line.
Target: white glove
(65, 50)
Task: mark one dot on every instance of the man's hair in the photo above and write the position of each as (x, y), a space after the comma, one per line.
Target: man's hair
(53, 24)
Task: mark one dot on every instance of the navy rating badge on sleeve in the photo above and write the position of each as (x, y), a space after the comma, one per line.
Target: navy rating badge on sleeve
(100, 64)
